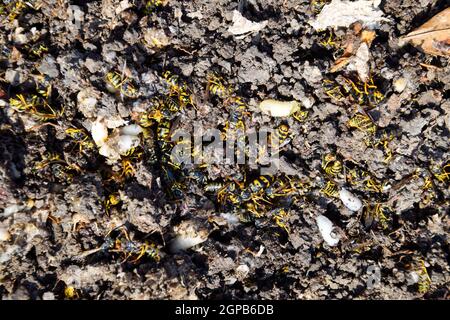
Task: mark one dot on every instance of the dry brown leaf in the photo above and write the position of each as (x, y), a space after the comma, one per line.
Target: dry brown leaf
(356, 53)
(433, 37)
(367, 36)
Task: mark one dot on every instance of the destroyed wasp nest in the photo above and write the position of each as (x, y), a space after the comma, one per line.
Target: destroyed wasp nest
(95, 203)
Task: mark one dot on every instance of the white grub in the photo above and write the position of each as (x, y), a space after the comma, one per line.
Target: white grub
(189, 234)
(131, 130)
(349, 200)
(326, 230)
(118, 143)
(110, 153)
(342, 13)
(277, 108)
(99, 132)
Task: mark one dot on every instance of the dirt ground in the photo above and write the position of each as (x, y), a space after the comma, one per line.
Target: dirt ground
(66, 211)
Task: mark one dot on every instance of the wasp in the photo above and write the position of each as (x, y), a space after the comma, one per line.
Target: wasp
(81, 137)
(112, 200)
(363, 93)
(71, 293)
(281, 217)
(36, 106)
(127, 168)
(145, 121)
(48, 159)
(44, 91)
(300, 115)
(179, 94)
(255, 190)
(444, 175)
(38, 50)
(47, 113)
(354, 176)
(152, 5)
(282, 134)
(259, 184)
(330, 189)
(332, 89)
(158, 113)
(119, 241)
(163, 137)
(330, 41)
(373, 186)
(59, 168)
(362, 122)
(424, 283)
(115, 82)
(331, 165)
(148, 146)
(382, 141)
(379, 212)
(172, 104)
(374, 96)
(23, 104)
(135, 153)
(354, 91)
(15, 9)
(317, 5)
(216, 87)
(185, 96)
(229, 194)
(172, 81)
(128, 90)
(277, 189)
(175, 187)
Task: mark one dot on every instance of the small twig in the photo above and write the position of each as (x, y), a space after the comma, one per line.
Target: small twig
(430, 66)
(36, 127)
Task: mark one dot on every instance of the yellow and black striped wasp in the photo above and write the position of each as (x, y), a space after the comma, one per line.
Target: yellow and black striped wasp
(115, 82)
(362, 122)
(119, 241)
(331, 165)
(81, 138)
(216, 87)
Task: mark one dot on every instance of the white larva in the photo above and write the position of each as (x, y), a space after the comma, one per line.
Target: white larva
(326, 230)
(184, 242)
(131, 130)
(349, 200)
(277, 108)
(99, 132)
(189, 233)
